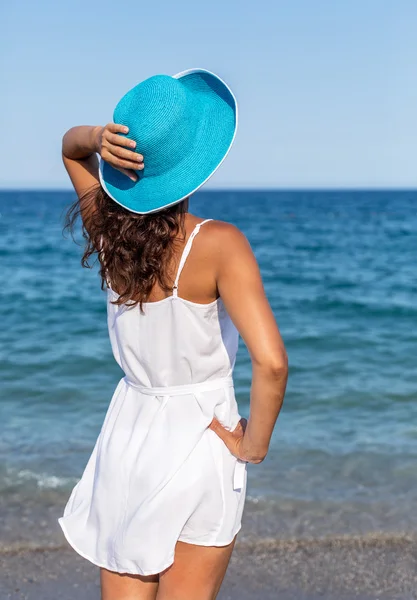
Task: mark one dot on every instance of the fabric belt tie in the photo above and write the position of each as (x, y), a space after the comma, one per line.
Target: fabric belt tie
(182, 390)
(197, 389)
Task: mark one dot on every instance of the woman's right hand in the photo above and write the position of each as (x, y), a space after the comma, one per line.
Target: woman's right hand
(118, 151)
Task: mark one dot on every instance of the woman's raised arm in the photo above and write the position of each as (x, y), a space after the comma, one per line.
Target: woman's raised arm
(80, 146)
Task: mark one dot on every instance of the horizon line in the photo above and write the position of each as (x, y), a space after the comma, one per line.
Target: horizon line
(245, 189)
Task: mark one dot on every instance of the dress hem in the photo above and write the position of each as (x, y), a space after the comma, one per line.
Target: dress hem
(208, 544)
(141, 572)
(104, 566)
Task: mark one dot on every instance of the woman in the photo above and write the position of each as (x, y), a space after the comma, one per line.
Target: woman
(159, 504)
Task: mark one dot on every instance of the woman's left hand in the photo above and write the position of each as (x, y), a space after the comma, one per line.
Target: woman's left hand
(238, 441)
(232, 439)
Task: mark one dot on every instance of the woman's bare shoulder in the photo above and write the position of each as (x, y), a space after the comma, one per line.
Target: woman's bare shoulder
(224, 235)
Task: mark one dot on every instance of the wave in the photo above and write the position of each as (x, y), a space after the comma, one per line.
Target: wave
(267, 544)
(14, 477)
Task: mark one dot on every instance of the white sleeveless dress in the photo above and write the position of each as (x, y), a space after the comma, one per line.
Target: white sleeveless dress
(157, 474)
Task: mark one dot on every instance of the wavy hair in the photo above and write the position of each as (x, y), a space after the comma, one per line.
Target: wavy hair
(134, 251)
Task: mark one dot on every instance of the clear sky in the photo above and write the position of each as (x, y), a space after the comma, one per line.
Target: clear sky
(327, 89)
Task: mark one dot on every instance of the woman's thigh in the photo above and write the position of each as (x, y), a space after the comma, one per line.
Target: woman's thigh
(119, 586)
(197, 572)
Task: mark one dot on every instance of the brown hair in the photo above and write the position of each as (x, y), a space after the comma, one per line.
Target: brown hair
(136, 250)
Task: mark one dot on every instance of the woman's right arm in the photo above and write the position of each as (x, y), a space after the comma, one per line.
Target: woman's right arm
(80, 146)
(240, 286)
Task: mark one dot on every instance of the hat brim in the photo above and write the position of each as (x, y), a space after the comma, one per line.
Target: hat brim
(212, 142)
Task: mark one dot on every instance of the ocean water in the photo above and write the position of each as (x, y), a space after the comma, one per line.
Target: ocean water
(339, 271)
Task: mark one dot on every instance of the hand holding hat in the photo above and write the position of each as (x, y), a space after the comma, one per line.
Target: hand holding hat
(119, 151)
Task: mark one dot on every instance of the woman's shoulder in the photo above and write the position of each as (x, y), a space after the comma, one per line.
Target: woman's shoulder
(224, 237)
(222, 230)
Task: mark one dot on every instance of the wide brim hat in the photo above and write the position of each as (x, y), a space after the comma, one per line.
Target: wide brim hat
(184, 126)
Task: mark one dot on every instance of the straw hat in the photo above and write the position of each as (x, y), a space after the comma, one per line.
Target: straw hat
(184, 126)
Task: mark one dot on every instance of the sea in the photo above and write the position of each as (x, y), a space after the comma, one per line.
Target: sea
(339, 271)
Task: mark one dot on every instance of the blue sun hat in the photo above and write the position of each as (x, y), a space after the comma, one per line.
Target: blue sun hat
(184, 126)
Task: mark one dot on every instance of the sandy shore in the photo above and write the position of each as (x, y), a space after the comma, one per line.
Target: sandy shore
(367, 568)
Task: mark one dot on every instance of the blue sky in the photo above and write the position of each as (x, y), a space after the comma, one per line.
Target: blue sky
(327, 89)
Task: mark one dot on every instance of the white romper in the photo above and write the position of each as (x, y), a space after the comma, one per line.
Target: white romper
(157, 474)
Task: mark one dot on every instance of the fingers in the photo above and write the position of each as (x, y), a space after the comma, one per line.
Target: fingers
(135, 158)
(239, 430)
(231, 439)
(114, 151)
(218, 428)
(119, 140)
(227, 436)
(121, 160)
(131, 174)
(116, 128)
(111, 138)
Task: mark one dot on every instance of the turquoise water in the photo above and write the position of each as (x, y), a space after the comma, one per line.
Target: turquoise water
(339, 272)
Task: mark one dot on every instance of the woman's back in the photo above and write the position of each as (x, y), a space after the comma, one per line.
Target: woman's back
(163, 491)
(175, 341)
(177, 356)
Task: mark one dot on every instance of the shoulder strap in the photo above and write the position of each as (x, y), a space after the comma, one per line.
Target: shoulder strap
(185, 254)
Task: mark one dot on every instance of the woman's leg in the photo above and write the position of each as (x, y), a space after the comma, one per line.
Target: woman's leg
(119, 586)
(197, 572)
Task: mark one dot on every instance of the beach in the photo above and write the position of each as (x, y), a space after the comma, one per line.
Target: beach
(331, 512)
(361, 568)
